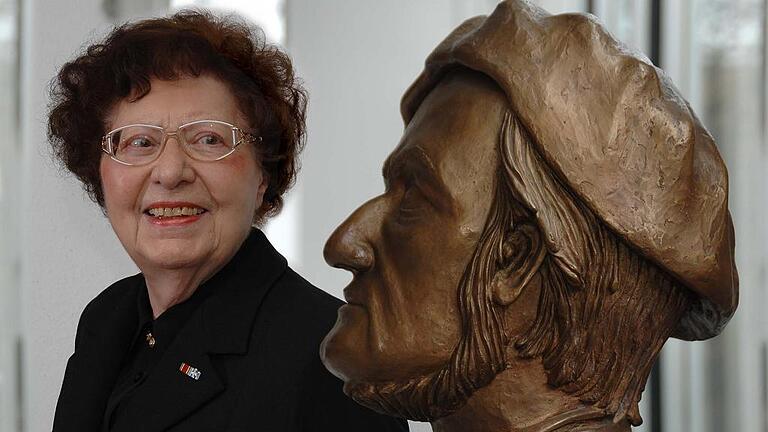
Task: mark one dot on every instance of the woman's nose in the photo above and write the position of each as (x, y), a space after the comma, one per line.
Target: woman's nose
(172, 166)
(351, 246)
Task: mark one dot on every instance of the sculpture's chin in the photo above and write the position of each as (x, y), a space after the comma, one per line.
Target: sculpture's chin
(343, 348)
(367, 395)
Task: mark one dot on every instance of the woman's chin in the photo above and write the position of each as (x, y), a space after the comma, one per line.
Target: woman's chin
(172, 254)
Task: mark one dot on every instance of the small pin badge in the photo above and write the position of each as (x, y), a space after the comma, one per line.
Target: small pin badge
(189, 371)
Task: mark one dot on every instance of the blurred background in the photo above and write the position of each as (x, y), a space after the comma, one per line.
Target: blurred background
(356, 58)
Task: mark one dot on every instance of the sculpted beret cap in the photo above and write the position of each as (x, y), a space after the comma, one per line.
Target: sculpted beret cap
(617, 132)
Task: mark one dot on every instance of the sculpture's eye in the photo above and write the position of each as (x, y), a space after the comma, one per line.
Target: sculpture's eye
(412, 203)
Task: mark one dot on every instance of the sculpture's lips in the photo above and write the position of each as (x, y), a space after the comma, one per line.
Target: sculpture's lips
(354, 295)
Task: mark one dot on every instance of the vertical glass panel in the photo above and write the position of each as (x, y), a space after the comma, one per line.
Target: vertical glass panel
(10, 418)
(715, 51)
(728, 77)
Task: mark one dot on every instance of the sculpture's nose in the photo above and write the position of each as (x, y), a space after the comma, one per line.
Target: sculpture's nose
(351, 246)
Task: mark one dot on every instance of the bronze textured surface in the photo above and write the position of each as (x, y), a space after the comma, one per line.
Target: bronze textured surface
(552, 214)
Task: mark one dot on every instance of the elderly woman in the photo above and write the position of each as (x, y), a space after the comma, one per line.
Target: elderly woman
(186, 131)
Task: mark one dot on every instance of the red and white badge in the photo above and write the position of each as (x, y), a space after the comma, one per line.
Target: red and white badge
(189, 371)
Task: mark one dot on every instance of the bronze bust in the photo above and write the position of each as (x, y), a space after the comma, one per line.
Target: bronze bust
(552, 215)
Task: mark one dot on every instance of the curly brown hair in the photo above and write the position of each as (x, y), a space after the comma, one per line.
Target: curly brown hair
(188, 43)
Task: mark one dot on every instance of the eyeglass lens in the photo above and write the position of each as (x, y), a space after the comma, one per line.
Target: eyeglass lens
(142, 144)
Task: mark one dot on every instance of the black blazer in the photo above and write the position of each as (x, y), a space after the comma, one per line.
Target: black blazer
(255, 342)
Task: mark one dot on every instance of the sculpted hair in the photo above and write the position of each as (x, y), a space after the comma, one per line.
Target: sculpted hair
(604, 311)
(188, 43)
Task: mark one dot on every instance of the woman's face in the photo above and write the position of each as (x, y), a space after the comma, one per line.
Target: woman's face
(225, 193)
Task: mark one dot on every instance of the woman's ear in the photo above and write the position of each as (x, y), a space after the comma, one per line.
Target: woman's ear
(261, 194)
(264, 183)
(523, 253)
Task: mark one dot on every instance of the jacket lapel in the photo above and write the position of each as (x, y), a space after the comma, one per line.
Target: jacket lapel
(172, 391)
(222, 325)
(243, 284)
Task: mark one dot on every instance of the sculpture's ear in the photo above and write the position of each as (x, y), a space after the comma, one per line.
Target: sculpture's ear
(523, 253)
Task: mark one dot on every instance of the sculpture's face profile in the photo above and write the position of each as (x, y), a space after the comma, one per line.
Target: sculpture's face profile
(402, 319)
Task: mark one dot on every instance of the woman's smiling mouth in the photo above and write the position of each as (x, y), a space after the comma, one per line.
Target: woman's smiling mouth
(174, 213)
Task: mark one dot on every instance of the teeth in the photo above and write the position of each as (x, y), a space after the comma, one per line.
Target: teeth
(175, 211)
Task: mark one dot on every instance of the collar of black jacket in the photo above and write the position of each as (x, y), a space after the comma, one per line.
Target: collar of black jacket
(222, 325)
(237, 292)
(234, 295)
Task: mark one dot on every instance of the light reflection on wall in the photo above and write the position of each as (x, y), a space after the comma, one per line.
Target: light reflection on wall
(268, 14)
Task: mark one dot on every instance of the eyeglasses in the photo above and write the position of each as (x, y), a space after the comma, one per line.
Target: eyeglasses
(202, 140)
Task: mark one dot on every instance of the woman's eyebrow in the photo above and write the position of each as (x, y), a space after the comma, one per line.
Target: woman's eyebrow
(163, 120)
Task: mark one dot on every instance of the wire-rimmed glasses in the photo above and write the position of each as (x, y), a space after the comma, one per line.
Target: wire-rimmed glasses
(202, 140)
